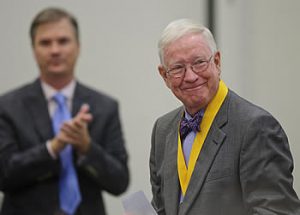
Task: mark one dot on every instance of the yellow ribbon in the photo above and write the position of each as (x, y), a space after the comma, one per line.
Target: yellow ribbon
(211, 111)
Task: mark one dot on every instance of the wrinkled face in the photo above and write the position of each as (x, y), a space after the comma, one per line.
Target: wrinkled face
(56, 49)
(194, 90)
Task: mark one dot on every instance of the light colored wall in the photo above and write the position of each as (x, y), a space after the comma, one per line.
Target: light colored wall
(260, 45)
(118, 56)
(258, 40)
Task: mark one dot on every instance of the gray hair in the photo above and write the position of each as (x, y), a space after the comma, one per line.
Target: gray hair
(179, 28)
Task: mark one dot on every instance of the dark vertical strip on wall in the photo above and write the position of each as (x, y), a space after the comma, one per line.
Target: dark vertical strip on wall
(211, 16)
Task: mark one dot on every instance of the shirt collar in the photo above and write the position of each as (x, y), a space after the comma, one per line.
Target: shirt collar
(67, 91)
(188, 116)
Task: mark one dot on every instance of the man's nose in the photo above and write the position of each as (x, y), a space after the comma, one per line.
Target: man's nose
(55, 48)
(190, 75)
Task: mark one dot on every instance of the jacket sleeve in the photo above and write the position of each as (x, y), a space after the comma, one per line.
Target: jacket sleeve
(266, 167)
(23, 161)
(157, 199)
(106, 161)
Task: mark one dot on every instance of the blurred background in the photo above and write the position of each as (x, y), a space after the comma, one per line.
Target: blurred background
(258, 41)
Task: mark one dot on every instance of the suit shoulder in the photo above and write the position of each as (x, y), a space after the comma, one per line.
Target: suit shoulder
(241, 108)
(16, 94)
(169, 118)
(98, 96)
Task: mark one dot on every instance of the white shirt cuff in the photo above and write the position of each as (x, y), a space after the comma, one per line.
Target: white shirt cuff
(51, 152)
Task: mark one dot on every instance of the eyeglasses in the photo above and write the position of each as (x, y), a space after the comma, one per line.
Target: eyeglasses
(199, 66)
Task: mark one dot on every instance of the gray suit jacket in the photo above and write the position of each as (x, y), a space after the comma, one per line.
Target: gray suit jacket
(245, 166)
(29, 175)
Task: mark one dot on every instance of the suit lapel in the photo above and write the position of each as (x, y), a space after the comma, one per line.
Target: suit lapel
(204, 162)
(36, 104)
(171, 182)
(206, 158)
(80, 97)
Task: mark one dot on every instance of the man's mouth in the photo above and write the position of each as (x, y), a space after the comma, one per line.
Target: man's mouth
(193, 88)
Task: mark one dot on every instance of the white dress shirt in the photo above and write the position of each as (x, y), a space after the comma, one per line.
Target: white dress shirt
(49, 92)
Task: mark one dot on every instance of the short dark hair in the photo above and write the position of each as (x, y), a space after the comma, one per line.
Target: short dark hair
(49, 15)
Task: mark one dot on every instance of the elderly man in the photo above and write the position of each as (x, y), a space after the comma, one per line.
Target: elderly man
(218, 154)
(61, 143)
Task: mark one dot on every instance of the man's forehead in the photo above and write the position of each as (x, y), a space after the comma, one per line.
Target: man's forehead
(61, 27)
(186, 48)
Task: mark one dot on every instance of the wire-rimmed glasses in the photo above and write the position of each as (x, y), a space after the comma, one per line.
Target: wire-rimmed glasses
(198, 66)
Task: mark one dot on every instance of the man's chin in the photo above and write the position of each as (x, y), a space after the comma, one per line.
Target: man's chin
(56, 72)
(195, 105)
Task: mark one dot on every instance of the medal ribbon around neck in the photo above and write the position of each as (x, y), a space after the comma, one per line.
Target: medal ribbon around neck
(211, 111)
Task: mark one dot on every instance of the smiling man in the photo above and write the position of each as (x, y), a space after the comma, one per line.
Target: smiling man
(218, 153)
(61, 143)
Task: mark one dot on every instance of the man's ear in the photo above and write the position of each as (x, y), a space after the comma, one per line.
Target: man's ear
(163, 74)
(217, 61)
